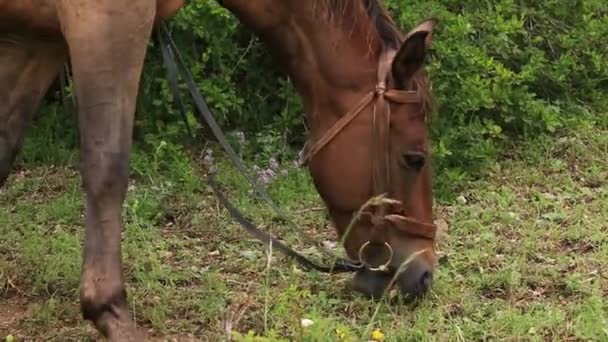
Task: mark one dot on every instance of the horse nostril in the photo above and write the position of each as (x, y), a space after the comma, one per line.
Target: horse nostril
(415, 281)
(413, 160)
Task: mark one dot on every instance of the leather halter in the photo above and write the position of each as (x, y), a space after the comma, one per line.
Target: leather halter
(378, 98)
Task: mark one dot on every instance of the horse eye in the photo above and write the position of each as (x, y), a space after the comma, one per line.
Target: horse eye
(413, 160)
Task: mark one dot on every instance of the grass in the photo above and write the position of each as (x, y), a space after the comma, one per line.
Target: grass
(523, 258)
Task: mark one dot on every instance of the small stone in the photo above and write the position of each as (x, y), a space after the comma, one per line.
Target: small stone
(248, 254)
(549, 196)
(442, 226)
(329, 244)
(306, 322)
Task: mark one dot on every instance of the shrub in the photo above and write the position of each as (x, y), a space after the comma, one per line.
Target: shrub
(502, 70)
(507, 69)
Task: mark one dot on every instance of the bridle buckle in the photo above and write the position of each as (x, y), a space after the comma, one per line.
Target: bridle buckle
(380, 88)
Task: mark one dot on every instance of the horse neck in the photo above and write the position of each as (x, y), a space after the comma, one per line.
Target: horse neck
(332, 61)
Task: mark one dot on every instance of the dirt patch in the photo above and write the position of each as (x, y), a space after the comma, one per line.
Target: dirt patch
(12, 311)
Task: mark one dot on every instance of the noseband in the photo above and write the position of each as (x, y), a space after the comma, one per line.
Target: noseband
(380, 98)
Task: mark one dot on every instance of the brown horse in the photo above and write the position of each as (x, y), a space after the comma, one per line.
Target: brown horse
(361, 81)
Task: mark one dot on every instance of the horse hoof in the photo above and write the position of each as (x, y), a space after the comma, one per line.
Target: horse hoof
(121, 328)
(103, 301)
(116, 325)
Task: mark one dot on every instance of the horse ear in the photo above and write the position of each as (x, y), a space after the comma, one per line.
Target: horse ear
(411, 54)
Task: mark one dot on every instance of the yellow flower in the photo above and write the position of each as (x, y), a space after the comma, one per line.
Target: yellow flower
(377, 335)
(342, 337)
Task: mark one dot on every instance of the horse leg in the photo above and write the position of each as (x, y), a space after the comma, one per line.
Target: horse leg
(107, 42)
(27, 69)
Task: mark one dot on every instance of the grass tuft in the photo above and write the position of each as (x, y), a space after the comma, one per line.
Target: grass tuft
(523, 258)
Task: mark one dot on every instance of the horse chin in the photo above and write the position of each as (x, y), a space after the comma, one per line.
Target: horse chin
(371, 284)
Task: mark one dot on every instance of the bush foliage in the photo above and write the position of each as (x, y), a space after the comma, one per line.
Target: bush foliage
(501, 70)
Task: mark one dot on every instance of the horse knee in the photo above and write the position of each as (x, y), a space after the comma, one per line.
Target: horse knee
(105, 175)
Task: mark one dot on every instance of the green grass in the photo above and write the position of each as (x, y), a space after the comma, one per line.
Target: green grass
(524, 257)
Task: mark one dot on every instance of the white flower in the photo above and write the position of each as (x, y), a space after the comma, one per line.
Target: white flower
(307, 322)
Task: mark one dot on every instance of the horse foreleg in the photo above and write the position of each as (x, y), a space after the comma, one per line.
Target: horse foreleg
(27, 68)
(107, 42)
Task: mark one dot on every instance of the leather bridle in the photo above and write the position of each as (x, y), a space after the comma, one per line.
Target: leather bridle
(385, 215)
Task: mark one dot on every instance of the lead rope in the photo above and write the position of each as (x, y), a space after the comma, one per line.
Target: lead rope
(171, 58)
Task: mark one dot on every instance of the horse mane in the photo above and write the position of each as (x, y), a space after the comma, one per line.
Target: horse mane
(385, 27)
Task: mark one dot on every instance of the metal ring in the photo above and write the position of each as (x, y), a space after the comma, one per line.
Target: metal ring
(383, 267)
